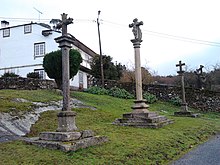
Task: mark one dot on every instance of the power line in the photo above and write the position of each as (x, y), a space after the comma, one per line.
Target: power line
(150, 32)
(174, 37)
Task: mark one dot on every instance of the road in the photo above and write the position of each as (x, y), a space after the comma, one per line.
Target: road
(205, 154)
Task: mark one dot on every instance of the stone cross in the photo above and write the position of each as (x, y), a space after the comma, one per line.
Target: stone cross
(63, 24)
(66, 118)
(200, 77)
(180, 67)
(136, 29)
(199, 71)
(140, 104)
(180, 72)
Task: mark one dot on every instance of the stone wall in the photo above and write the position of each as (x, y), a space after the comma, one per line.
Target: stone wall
(204, 100)
(25, 83)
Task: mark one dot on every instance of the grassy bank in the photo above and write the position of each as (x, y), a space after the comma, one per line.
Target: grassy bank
(9, 104)
(126, 145)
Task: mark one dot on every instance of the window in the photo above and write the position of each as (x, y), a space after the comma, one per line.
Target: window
(39, 49)
(41, 73)
(27, 29)
(80, 77)
(6, 32)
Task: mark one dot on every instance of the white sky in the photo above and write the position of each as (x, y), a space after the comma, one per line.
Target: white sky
(197, 19)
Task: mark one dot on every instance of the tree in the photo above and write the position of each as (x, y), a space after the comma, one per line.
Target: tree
(52, 64)
(111, 71)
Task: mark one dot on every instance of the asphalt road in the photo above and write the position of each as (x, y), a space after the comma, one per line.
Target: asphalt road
(205, 154)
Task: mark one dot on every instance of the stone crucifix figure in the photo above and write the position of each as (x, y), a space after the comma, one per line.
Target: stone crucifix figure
(181, 73)
(136, 29)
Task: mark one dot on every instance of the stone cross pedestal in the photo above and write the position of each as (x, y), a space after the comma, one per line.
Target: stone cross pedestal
(184, 107)
(140, 116)
(66, 131)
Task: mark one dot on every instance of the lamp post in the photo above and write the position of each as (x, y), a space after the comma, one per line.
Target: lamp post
(100, 50)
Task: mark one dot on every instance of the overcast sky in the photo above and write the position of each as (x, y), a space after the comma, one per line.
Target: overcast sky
(173, 30)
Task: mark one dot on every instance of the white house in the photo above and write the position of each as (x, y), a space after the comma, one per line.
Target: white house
(23, 47)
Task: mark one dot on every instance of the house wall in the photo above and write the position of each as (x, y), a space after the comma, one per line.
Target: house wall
(17, 52)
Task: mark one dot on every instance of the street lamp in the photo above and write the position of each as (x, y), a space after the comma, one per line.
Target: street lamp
(100, 50)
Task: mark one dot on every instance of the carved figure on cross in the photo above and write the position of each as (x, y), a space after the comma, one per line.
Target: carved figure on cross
(199, 71)
(181, 71)
(136, 29)
(63, 24)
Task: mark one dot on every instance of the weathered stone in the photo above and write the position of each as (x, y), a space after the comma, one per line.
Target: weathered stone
(59, 136)
(25, 83)
(87, 133)
(67, 146)
(66, 121)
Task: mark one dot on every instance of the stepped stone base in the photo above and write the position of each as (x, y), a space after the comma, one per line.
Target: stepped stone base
(143, 120)
(142, 117)
(185, 114)
(66, 141)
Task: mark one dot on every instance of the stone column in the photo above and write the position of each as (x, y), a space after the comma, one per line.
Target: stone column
(184, 106)
(66, 118)
(138, 77)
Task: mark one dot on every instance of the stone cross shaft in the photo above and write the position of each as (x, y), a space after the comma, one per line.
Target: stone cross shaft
(66, 118)
(136, 43)
(180, 72)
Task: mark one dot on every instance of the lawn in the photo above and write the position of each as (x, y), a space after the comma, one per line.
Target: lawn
(127, 145)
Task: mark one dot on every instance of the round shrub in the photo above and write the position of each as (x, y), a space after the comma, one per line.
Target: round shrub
(120, 93)
(97, 90)
(150, 98)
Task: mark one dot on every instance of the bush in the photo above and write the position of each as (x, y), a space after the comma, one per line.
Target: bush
(176, 101)
(33, 75)
(7, 74)
(150, 98)
(120, 93)
(97, 90)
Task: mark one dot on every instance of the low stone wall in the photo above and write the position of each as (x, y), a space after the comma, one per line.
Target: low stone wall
(25, 83)
(204, 100)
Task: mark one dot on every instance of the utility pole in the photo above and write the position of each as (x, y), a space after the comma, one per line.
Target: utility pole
(100, 50)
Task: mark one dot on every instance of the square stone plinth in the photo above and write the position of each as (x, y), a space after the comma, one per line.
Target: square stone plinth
(67, 141)
(143, 120)
(67, 146)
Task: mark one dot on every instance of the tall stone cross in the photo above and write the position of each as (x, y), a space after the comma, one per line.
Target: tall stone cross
(200, 77)
(180, 72)
(140, 104)
(66, 118)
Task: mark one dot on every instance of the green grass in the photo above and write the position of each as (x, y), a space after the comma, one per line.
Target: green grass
(127, 145)
(9, 105)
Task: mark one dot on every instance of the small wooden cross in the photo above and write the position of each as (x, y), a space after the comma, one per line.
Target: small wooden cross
(180, 67)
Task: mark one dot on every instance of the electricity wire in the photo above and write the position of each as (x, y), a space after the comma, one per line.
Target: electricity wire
(145, 31)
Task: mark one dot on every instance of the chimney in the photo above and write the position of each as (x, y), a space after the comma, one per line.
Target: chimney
(4, 24)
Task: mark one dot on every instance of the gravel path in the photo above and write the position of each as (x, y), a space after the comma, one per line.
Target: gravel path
(205, 154)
